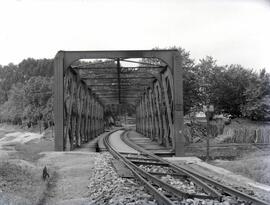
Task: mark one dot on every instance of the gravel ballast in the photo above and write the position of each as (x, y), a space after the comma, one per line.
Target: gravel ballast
(106, 187)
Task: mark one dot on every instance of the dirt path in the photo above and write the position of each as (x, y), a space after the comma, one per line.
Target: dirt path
(70, 173)
(23, 156)
(50, 186)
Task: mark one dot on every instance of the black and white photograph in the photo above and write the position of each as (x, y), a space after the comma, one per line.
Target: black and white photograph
(134, 102)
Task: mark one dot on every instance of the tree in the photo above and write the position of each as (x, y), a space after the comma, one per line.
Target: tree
(233, 84)
(12, 110)
(191, 88)
(8, 77)
(38, 94)
(257, 94)
(3, 97)
(223, 86)
(31, 67)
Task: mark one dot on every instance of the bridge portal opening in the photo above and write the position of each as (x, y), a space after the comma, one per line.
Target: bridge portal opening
(87, 83)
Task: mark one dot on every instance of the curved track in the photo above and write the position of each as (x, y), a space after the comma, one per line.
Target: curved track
(151, 171)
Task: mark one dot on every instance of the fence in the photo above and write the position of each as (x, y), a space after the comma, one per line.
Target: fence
(247, 135)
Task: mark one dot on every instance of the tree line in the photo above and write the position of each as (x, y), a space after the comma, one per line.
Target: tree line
(26, 90)
(232, 89)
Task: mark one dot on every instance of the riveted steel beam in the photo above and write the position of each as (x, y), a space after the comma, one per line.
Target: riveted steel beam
(116, 89)
(113, 67)
(126, 84)
(119, 80)
(116, 78)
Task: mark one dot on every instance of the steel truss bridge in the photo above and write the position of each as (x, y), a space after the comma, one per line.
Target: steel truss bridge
(82, 91)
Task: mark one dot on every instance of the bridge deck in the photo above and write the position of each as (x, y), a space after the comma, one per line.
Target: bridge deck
(138, 139)
(149, 144)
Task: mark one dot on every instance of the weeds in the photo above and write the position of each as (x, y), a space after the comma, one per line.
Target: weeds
(252, 166)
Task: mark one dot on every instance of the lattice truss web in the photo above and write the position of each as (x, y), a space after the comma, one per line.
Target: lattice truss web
(90, 86)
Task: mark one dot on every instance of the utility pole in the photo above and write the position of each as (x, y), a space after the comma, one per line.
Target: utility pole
(209, 113)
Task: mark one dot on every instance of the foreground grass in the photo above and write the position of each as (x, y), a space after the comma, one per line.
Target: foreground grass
(21, 179)
(255, 166)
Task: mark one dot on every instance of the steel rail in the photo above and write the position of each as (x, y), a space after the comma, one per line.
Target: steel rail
(161, 198)
(145, 175)
(193, 178)
(185, 170)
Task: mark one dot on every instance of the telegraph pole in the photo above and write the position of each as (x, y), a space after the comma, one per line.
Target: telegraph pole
(209, 113)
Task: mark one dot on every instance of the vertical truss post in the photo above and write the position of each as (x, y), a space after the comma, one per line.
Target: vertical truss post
(143, 116)
(168, 111)
(98, 119)
(77, 111)
(178, 106)
(164, 113)
(102, 119)
(138, 118)
(159, 113)
(86, 116)
(147, 114)
(152, 134)
(92, 118)
(59, 101)
(119, 80)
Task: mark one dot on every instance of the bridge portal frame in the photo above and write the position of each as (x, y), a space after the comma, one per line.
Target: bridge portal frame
(172, 58)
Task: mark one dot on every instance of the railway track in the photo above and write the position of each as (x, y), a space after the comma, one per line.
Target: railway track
(171, 184)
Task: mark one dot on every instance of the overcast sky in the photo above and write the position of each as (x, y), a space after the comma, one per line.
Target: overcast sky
(232, 31)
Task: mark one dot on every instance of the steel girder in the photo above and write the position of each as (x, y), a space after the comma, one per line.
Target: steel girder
(78, 109)
(82, 112)
(155, 112)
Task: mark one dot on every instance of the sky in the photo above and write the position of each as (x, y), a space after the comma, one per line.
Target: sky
(232, 31)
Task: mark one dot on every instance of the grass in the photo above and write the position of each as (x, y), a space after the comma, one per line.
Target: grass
(255, 166)
(19, 174)
(257, 169)
(21, 181)
(30, 151)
